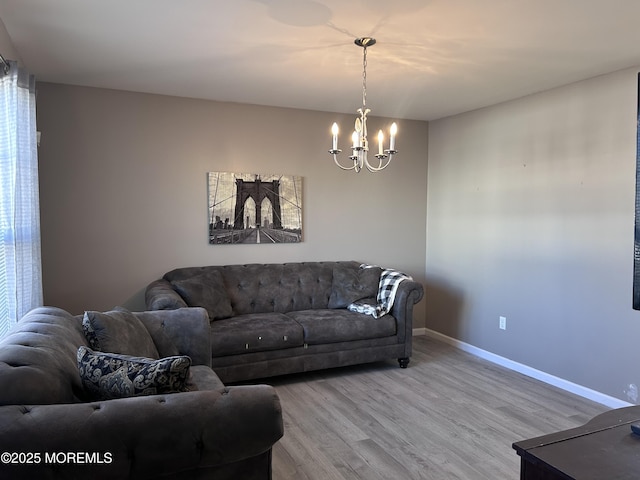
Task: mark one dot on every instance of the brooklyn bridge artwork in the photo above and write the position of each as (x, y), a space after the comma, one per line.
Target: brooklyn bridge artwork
(254, 208)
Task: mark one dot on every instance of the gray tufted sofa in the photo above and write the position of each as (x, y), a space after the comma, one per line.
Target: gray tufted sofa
(274, 319)
(48, 430)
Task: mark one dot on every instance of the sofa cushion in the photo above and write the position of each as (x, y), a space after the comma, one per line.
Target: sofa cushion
(331, 326)
(118, 331)
(278, 288)
(208, 291)
(110, 375)
(254, 332)
(352, 283)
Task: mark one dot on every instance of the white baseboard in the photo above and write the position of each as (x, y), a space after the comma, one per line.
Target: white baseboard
(419, 331)
(584, 392)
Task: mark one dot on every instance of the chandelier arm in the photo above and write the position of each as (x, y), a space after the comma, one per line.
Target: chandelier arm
(371, 168)
(335, 159)
(380, 166)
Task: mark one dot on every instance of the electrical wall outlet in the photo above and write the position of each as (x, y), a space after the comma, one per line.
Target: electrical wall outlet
(503, 323)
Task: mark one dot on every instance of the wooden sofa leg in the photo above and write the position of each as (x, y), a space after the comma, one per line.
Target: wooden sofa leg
(404, 362)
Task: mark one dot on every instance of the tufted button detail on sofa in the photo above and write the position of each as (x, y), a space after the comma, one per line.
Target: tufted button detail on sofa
(96, 407)
(16, 364)
(25, 410)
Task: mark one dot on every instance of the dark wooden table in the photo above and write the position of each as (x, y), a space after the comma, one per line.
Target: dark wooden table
(603, 449)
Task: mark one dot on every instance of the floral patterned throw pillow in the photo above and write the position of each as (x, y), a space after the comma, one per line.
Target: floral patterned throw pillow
(108, 375)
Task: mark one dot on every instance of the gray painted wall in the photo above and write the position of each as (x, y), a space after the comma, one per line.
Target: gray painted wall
(530, 216)
(124, 190)
(7, 49)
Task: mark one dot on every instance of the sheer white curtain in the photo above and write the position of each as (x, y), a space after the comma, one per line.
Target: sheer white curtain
(20, 264)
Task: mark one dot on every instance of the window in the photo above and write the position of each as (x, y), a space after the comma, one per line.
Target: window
(20, 265)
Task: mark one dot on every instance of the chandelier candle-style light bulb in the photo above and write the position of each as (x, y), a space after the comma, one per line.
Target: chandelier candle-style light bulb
(392, 140)
(334, 131)
(360, 143)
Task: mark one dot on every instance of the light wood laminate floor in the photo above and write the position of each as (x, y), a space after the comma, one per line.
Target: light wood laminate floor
(450, 415)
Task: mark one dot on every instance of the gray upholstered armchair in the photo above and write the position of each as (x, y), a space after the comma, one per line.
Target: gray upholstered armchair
(49, 429)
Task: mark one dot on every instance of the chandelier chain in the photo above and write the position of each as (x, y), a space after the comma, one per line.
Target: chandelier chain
(364, 78)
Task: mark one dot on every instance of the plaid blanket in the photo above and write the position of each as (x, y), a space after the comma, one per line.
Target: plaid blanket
(387, 288)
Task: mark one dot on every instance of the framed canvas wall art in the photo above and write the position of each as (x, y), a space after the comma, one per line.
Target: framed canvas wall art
(254, 208)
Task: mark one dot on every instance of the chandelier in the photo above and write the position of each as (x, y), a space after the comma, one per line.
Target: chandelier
(359, 142)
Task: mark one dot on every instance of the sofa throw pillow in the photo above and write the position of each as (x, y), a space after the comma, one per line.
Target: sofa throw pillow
(118, 331)
(353, 283)
(207, 291)
(108, 375)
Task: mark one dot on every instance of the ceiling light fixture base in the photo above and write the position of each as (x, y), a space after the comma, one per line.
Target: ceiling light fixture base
(365, 41)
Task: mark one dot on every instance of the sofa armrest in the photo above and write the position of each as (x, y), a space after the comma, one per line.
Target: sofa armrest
(408, 294)
(187, 328)
(160, 295)
(140, 437)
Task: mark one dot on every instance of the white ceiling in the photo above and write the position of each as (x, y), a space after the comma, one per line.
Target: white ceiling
(432, 58)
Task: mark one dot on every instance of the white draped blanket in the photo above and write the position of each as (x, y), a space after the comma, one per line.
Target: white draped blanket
(387, 288)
